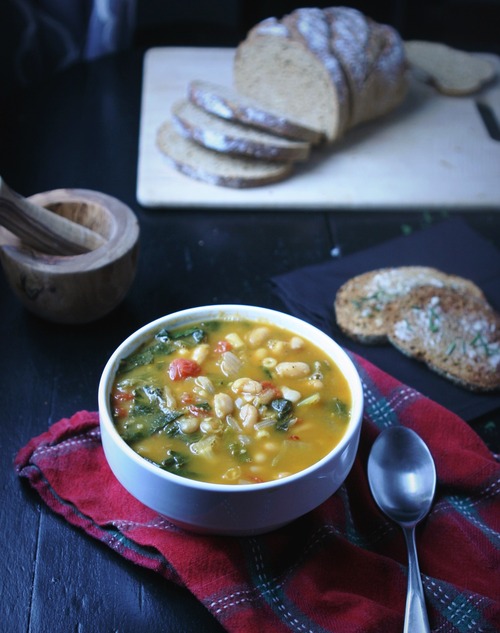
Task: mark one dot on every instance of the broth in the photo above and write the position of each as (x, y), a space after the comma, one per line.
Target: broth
(230, 401)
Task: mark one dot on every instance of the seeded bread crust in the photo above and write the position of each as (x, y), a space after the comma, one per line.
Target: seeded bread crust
(228, 137)
(363, 305)
(228, 104)
(214, 168)
(454, 333)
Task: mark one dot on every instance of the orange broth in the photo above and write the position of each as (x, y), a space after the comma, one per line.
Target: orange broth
(230, 402)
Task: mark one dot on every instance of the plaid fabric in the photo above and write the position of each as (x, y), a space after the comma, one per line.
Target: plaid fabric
(342, 567)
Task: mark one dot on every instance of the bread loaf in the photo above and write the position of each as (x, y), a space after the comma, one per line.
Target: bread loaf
(455, 333)
(215, 168)
(328, 68)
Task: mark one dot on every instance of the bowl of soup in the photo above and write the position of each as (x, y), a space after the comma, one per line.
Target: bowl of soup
(230, 419)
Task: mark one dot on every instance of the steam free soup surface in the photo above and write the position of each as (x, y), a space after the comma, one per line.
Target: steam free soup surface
(230, 401)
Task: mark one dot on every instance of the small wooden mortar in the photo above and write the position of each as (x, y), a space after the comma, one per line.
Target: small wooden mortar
(77, 288)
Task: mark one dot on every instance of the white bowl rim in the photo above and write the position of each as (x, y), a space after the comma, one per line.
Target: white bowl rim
(189, 315)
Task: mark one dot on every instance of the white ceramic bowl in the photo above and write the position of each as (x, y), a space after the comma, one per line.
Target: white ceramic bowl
(227, 508)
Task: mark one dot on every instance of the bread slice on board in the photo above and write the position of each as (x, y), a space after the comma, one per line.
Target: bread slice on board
(228, 137)
(455, 333)
(451, 71)
(225, 170)
(226, 103)
(363, 305)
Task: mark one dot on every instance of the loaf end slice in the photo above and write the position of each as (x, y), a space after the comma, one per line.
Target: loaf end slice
(214, 168)
(451, 71)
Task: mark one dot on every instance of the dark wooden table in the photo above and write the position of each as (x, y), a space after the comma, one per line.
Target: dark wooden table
(81, 130)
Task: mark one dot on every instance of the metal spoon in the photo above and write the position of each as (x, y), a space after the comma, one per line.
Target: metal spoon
(402, 479)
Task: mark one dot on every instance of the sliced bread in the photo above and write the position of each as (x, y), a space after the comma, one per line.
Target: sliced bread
(228, 137)
(283, 73)
(330, 68)
(215, 168)
(363, 305)
(371, 55)
(226, 103)
(455, 333)
(451, 71)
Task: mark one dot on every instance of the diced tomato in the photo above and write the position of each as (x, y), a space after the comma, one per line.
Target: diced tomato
(120, 402)
(267, 384)
(222, 346)
(181, 368)
(197, 411)
(187, 398)
(293, 437)
(123, 396)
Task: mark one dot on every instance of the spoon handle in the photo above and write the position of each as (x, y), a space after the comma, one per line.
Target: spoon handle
(416, 620)
(42, 229)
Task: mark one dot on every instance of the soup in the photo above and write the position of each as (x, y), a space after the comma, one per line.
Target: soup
(230, 401)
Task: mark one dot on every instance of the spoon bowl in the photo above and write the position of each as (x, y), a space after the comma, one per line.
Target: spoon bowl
(402, 479)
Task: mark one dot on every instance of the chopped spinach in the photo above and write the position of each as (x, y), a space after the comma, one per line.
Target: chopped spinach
(174, 462)
(145, 356)
(284, 413)
(239, 451)
(148, 415)
(190, 337)
(339, 407)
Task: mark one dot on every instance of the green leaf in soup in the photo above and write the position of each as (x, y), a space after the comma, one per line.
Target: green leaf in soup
(189, 337)
(339, 408)
(284, 413)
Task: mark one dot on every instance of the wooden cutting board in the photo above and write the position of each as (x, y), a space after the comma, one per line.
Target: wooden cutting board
(432, 152)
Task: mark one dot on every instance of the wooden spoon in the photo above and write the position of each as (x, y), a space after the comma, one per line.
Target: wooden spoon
(42, 229)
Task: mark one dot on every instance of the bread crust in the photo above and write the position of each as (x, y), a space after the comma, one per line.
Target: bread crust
(454, 333)
(364, 304)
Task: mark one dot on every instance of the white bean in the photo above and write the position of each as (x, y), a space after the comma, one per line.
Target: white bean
(211, 425)
(258, 335)
(200, 353)
(296, 369)
(296, 342)
(223, 404)
(189, 425)
(248, 415)
(246, 385)
(290, 394)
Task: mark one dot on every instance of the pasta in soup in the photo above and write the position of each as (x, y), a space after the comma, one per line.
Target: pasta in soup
(230, 401)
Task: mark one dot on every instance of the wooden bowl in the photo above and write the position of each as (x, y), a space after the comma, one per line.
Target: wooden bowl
(78, 288)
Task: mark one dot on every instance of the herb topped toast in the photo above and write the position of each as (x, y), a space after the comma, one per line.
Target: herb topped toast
(364, 304)
(456, 334)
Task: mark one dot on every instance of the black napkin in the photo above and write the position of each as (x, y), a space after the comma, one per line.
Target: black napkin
(451, 246)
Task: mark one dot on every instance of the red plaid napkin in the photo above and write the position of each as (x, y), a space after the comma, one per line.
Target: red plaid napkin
(342, 567)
